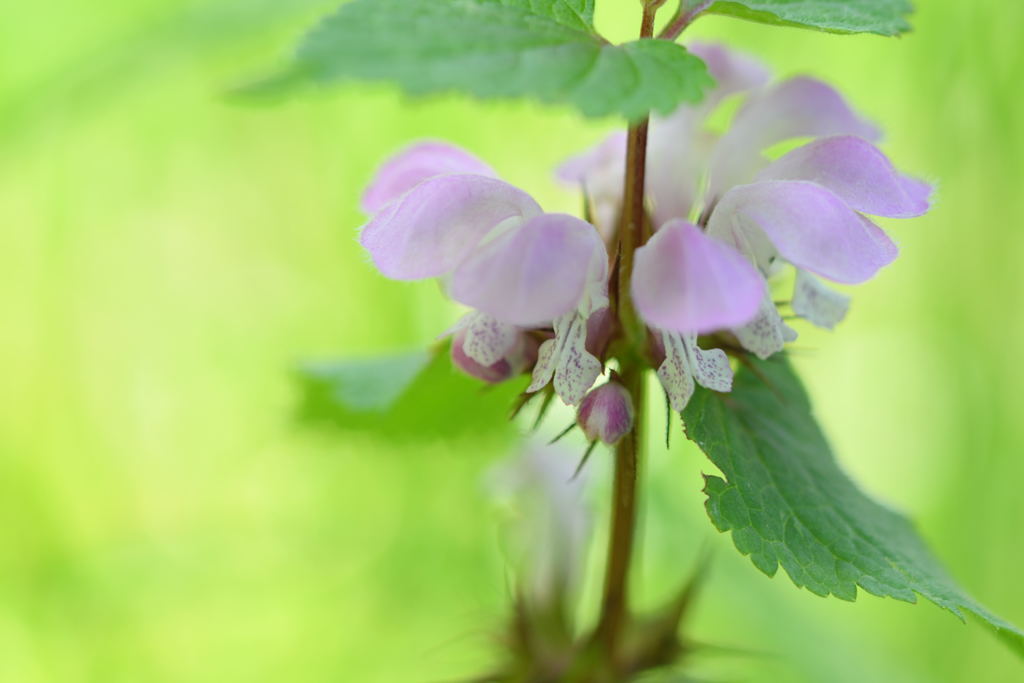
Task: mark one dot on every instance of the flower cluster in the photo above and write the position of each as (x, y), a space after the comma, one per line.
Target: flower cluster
(724, 220)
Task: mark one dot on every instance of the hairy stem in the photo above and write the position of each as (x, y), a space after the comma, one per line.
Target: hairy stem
(615, 603)
(631, 230)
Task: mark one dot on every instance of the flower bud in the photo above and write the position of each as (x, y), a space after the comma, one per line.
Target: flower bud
(600, 329)
(606, 413)
(521, 356)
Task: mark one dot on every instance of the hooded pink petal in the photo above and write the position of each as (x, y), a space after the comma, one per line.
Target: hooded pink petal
(733, 71)
(417, 163)
(430, 229)
(857, 172)
(809, 225)
(532, 273)
(887, 249)
(799, 107)
(685, 281)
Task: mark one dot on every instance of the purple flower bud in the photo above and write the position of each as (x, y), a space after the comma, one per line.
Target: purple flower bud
(600, 330)
(606, 413)
(521, 356)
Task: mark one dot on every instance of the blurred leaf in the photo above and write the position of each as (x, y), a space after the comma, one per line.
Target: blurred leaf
(370, 385)
(884, 17)
(787, 502)
(543, 49)
(405, 396)
(117, 60)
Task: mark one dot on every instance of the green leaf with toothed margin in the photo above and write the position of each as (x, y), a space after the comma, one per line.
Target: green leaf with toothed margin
(787, 502)
(884, 17)
(546, 50)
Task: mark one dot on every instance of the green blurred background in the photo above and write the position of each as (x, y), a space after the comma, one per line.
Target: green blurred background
(167, 256)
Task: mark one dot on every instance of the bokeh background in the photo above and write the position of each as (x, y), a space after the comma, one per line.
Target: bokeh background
(167, 256)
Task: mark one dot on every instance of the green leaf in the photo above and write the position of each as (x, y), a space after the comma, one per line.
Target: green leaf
(884, 17)
(788, 503)
(542, 49)
(406, 396)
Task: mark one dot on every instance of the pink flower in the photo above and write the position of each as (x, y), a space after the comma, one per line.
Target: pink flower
(490, 350)
(805, 209)
(726, 220)
(440, 213)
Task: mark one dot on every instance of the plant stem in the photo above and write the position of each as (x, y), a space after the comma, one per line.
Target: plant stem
(615, 605)
(615, 602)
(683, 19)
(631, 230)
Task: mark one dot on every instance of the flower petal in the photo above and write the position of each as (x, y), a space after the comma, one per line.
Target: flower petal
(918, 190)
(816, 303)
(674, 372)
(417, 163)
(733, 71)
(799, 107)
(766, 334)
(685, 281)
(685, 362)
(429, 230)
(580, 169)
(532, 273)
(487, 340)
(600, 171)
(566, 359)
(711, 367)
(544, 370)
(493, 373)
(857, 172)
(886, 247)
(677, 158)
(809, 225)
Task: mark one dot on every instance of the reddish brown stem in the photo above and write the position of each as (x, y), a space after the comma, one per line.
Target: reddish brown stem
(683, 19)
(615, 603)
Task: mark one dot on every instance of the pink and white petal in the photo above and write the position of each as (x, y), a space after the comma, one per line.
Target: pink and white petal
(674, 373)
(710, 367)
(798, 107)
(492, 374)
(430, 229)
(533, 273)
(766, 334)
(488, 340)
(544, 369)
(685, 281)
(733, 71)
(818, 304)
(565, 359)
(857, 172)
(809, 225)
(417, 163)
